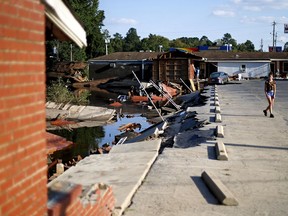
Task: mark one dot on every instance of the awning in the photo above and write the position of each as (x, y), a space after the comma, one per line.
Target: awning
(63, 21)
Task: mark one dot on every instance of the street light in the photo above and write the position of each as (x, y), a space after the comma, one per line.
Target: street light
(107, 41)
(160, 48)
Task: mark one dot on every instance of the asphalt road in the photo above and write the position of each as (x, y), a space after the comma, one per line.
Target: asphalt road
(256, 172)
(256, 87)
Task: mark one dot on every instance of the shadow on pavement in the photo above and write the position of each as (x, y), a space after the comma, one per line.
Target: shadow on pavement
(204, 190)
(257, 146)
(211, 151)
(253, 115)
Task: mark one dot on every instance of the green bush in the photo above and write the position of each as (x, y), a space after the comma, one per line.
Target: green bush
(59, 93)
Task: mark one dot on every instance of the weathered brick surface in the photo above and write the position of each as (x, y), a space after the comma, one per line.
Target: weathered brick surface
(22, 108)
(101, 200)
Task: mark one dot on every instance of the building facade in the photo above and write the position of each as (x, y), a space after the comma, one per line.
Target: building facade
(23, 169)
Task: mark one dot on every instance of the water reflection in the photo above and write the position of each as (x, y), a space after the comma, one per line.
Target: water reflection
(83, 139)
(111, 130)
(90, 138)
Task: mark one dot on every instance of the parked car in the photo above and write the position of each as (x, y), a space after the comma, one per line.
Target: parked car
(218, 78)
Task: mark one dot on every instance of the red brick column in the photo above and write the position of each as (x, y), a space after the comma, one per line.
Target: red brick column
(22, 108)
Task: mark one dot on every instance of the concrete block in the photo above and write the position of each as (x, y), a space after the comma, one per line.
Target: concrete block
(221, 151)
(217, 109)
(220, 191)
(216, 94)
(218, 118)
(216, 99)
(216, 103)
(220, 131)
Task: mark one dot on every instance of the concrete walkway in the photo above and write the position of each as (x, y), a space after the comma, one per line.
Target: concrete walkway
(124, 168)
(256, 172)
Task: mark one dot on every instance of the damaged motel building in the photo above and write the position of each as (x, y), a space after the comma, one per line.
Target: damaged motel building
(181, 63)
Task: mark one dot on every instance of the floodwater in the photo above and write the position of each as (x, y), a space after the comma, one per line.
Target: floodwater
(89, 138)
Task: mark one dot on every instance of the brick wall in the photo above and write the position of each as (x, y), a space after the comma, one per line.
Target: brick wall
(70, 199)
(22, 108)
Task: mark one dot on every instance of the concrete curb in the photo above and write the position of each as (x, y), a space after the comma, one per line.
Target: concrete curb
(221, 151)
(220, 131)
(220, 191)
(218, 118)
(217, 109)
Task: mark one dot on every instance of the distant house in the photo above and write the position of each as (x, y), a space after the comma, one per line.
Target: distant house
(181, 63)
(175, 64)
(249, 64)
(121, 65)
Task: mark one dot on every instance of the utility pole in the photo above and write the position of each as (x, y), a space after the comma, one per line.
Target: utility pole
(273, 35)
(261, 45)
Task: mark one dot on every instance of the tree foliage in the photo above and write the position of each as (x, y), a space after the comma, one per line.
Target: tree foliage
(285, 47)
(227, 39)
(247, 46)
(116, 43)
(131, 41)
(204, 41)
(92, 20)
(155, 43)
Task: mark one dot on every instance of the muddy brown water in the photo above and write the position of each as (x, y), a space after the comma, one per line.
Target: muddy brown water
(86, 139)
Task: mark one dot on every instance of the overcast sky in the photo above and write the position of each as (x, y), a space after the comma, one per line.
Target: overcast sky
(243, 19)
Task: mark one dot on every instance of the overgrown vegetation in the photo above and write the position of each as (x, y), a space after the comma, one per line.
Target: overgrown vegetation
(58, 92)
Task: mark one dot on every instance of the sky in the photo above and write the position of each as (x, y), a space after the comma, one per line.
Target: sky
(243, 19)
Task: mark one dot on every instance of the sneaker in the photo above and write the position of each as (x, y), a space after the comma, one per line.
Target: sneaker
(265, 112)
(271, 116)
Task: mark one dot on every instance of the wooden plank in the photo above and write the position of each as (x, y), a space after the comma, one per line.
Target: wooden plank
(192, 85)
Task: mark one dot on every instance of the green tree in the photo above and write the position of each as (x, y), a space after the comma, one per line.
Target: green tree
(92, 19)
(204, 41)
(131, 41)
(177, 43)
(285, 47)
(227, 39)
(154, 42)
(190, 41)
(116, 43)
(248, 46)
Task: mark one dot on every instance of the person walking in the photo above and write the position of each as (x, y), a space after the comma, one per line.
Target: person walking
(270, 92)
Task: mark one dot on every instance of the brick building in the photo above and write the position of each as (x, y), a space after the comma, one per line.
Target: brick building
(23, 163)
(22, 108)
